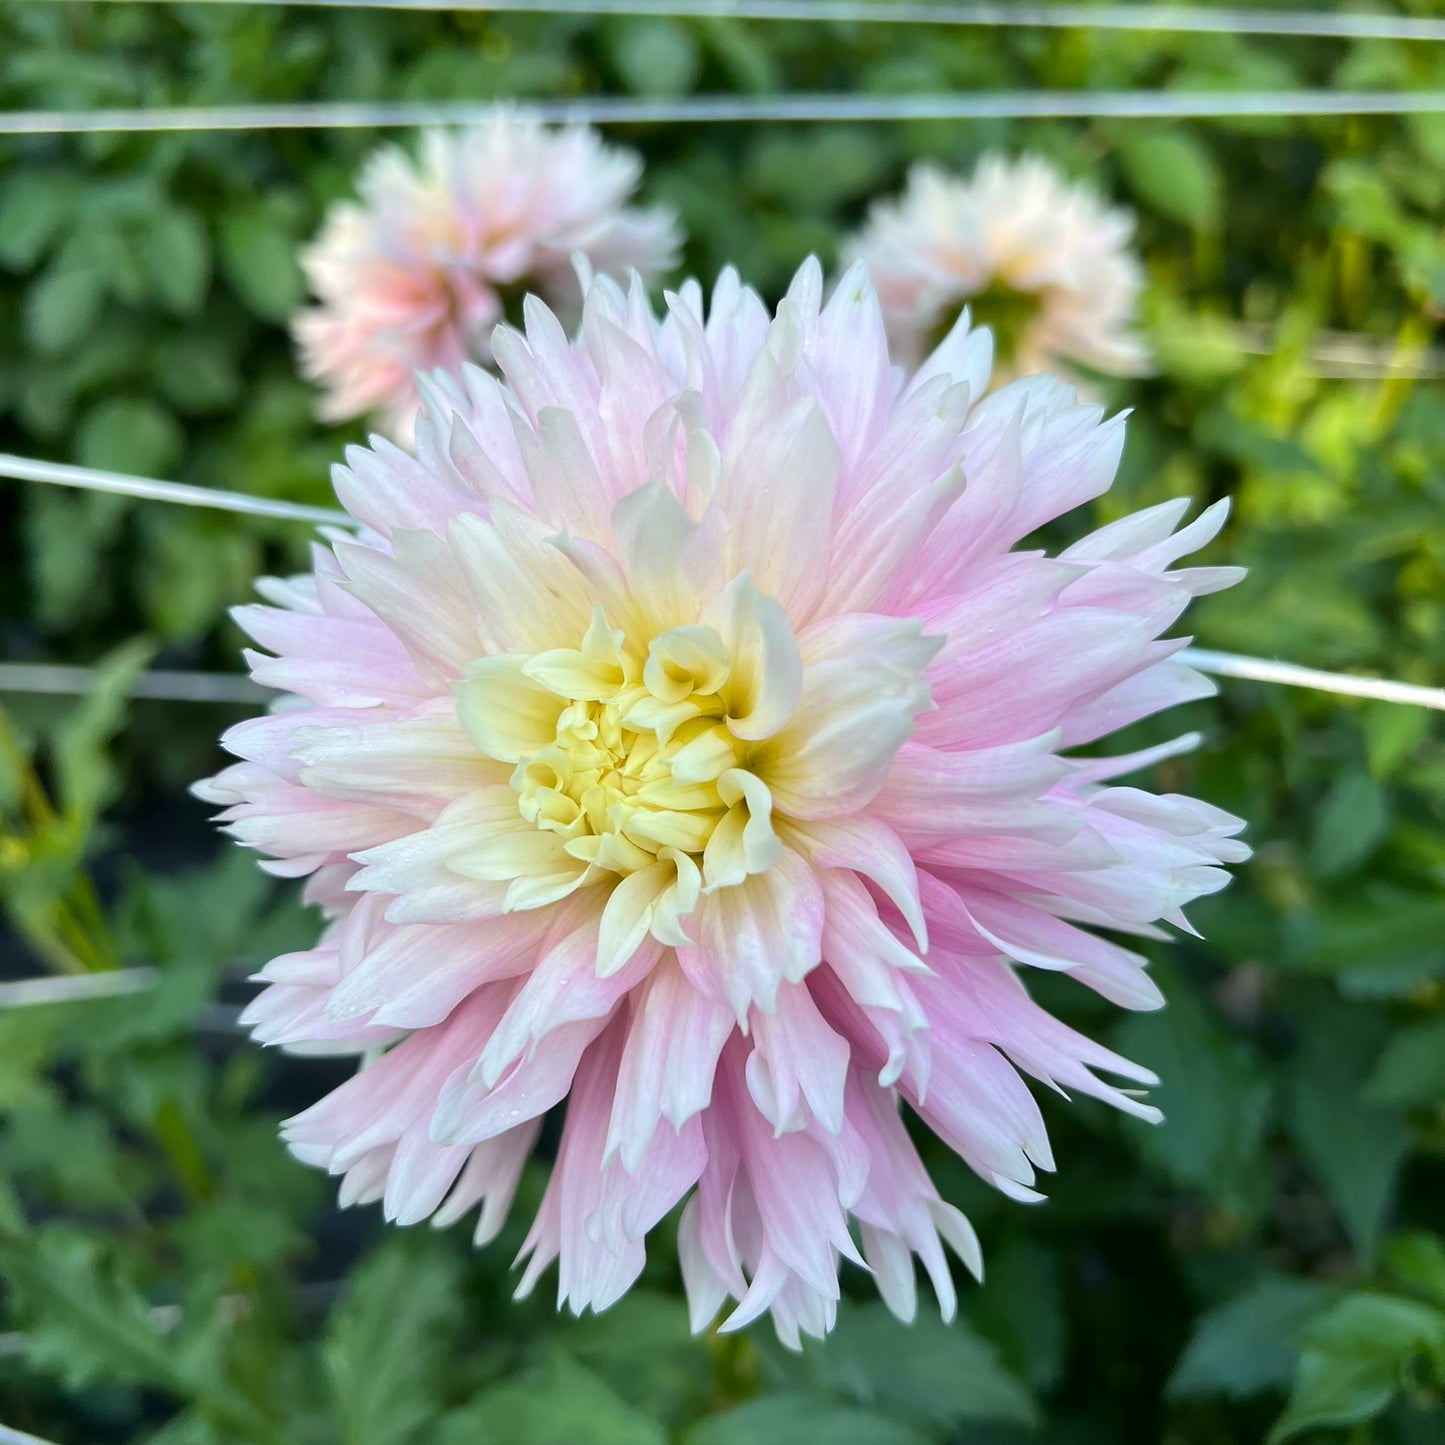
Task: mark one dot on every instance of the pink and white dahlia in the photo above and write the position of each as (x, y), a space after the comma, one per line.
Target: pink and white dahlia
(416, 276)
(684, 740)
(1043, 261)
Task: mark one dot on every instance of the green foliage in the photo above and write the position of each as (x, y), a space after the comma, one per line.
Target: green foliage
(1272, 1257)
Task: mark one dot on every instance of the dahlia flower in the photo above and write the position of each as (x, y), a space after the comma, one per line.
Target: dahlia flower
(417, 275)
(684, 738)
(1043, 261)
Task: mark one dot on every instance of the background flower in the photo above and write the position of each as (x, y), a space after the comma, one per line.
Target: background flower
(1042, 260)
(417, 274)
(689, 743)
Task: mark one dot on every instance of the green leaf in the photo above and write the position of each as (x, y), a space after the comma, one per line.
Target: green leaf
(129, 434)
(1392, 734)
(1355, 1359)
(84, 776)
(176, 253)
(1355, 1147)
(1248, 1344)
(1349, 824)
(63, 304)
(797, 1418)
(34, 207)
(1174, 172)
(927, 1372)
(386, 1345)
(642, 1347)
(258, 254)
(1418, 1259)
(655, 56)
(67, 539)
(1412, 1068)
(198, 373)
(86, 1324)
(558, 1401)
(1022, 1310)
(1214, 1096)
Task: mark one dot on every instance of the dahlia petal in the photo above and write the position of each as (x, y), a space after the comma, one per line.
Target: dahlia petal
(779, 532)
(680, 739)
(490, 1177)
(673, 1045)
(798, 1065)
(756, 936)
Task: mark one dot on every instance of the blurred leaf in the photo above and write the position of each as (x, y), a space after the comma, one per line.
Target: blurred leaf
(34, 206)
(1248, 1344)
(177, 253)
(801, 1419)
(643, 1348)
(64, 303)
(84, 1323)
(84, 776)
(1214, 1097)
(1174, 172)
(258, 253)
(1349, 825)
(1392, 733)
(1417, 1259)
(129, 434)
(386, 1345)
(1355, 1147)
(558, 1401)
(1022, 1310)
(1355, 1359)
(930, 1373)
(655, 56)
(1412, 1068)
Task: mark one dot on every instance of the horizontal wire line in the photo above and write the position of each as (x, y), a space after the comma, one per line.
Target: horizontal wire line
(720, 109)
(231, 687)
(93, 479)
(76, 987)
(9, 1435)
(160, 685)
(1140, 18)
(1290, 674)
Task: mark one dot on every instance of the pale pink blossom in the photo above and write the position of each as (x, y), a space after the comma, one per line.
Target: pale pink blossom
(1017, 239)
(416, 275)
(683, 740)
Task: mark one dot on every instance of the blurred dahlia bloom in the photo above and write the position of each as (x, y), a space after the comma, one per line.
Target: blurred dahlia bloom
(1044, 262)
(682, 738)
(415, 277)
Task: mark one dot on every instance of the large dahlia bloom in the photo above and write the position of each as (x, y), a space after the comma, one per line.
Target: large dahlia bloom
(1043, 262)
(683, 739)
(416, 276)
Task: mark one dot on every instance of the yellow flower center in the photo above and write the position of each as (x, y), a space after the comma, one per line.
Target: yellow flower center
(627, 758)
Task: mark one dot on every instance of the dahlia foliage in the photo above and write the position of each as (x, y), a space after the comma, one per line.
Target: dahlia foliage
(683, 738)
(416, 276)
(1024, 240)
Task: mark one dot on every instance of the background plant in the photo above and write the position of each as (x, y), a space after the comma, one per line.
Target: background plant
(1271, 1260)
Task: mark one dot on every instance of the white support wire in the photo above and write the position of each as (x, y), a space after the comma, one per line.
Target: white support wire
(9, 1435)
(1139, 18)
(1348, 356)
(91, 479)
(159, 685)
(68, 988)
(230, 687)
(77, 987)
(1290, 674)
(743, 109)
